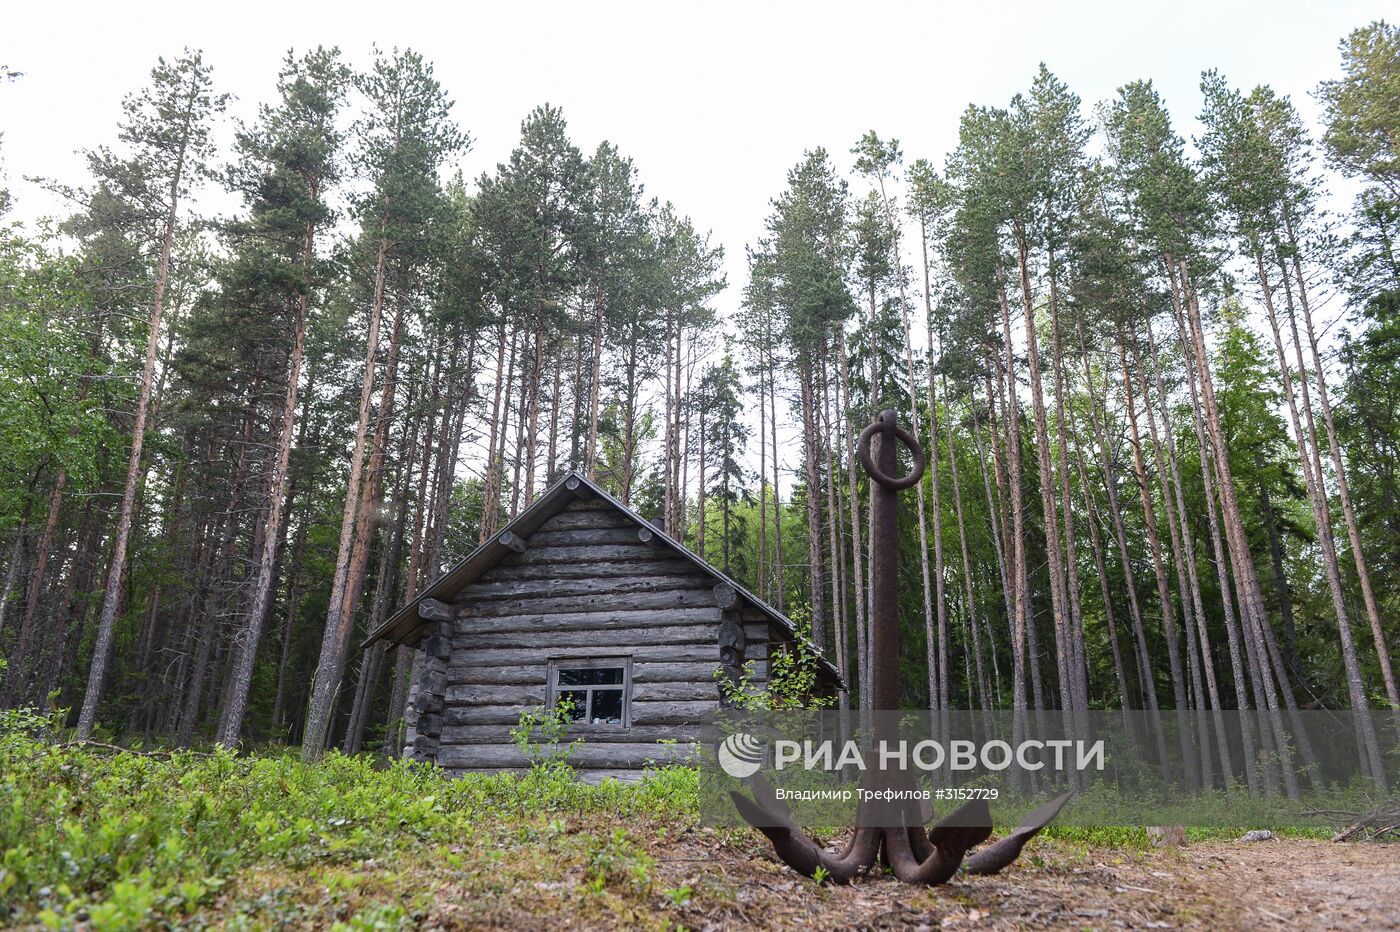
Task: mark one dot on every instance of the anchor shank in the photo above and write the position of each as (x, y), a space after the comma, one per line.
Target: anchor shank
(884, 548)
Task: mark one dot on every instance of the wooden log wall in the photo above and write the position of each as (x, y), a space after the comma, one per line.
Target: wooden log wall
(589, 583)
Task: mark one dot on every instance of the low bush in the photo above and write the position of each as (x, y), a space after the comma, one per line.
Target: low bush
(126, 839)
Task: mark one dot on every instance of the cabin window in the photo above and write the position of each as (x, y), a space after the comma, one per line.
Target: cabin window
(597, 689)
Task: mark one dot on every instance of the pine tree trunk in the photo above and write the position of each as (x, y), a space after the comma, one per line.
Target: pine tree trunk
(810, 443)
(372, 491)
(1146, 681)
(212, 602)
(1285, 595)
(1101, 570)
(532, 444)
(1054, 554)
(1020, 620)
(336, 639)
(1306, 434)
(135, 472)
(449, 456)
(629, 423)
(294, 574)
(944, 699)
(700, 490)
(19, 670)
(552, 448)
(86, 558)
(1186, 548)
(1242, 676)
(935, 633)
(595, 382)
(763, 561)
(1180, 700)
(490, 490)
(1184, 570)
(779, 588)
(683, 440)
(836, 539)
(245, 645)
(996, 511)
(1078, 674)
(1252, 602)
(983, 692)
(853, 503)
(386, 584)
(1392, 692)
(668, 506)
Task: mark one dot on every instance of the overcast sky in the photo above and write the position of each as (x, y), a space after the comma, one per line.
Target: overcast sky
(714, 101)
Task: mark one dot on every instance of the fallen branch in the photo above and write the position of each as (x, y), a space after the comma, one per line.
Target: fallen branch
(1372, 826)
(116, 748)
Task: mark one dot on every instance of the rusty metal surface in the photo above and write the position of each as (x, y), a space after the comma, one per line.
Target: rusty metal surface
(915, 855)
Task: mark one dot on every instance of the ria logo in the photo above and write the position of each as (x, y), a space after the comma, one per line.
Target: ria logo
(740, 755)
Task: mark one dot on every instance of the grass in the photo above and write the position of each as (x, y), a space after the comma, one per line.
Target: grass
(122, 840)
(126, 840)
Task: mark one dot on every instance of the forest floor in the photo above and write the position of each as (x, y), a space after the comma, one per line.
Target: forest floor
(96, 837)
(705, 879)
(1285, 883)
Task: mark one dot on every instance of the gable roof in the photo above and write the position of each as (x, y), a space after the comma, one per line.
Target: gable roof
(405, 626)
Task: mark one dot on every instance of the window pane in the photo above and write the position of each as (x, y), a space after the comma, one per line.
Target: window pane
(591, 676)
(607, 707)
(578, 699)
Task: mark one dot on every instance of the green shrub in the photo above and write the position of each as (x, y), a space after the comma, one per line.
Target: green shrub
(129, 840)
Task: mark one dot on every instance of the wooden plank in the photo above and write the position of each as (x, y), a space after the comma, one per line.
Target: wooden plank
(508, 715)
(662, 566)
(581, 537)
(463, 657)
(616, 639)
(510, 541)
(500, 734)
(686, 692)
(643, 672)
(587, 554)
(672, 713)
(506, 676)
(702, 672)
(669, 567)
(591, 602)
(643, 713)
(465, 630)
(567, 520)
(612, 756)
(591, 503)
(510, 589)
(470, 694)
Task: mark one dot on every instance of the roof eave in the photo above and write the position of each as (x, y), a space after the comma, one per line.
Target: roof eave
(405, 625)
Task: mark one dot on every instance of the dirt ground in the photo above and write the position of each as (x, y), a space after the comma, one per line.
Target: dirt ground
(708, 879)
(1278, 883)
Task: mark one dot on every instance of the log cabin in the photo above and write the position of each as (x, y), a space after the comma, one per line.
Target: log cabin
(580, 598)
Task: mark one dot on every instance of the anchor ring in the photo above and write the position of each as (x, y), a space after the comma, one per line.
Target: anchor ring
(910, 441)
